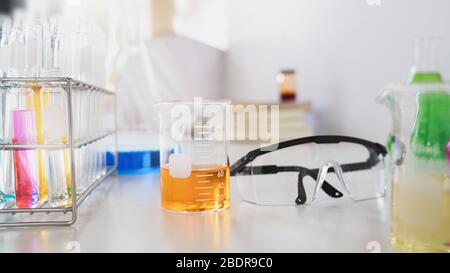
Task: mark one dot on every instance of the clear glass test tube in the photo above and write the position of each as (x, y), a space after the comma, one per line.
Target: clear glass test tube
(90, 134)
(103, 127)
(5, 45)
(98, 133)
(77, 109)
(17, 61)
(54, 113)
(32, 38)
(9, 103)
(2, 163)
(82, 51)
(56, 131)
(84, 136)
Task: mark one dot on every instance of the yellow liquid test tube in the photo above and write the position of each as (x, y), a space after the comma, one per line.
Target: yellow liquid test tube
(43, 183)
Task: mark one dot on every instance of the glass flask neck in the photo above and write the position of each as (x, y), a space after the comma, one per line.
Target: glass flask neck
(425, 68)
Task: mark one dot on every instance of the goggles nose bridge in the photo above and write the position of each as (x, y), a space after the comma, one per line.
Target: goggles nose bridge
(323, 172)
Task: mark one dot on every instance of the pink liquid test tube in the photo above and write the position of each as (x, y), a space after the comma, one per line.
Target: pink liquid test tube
(25, 160)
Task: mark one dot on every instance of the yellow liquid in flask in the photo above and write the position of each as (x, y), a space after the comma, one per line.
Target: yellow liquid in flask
(206, 190)
(421, 213)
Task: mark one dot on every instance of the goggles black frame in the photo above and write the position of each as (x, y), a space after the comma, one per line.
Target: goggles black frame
(375, 150)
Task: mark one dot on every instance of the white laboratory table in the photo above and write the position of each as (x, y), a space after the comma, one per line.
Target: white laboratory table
(124, 215)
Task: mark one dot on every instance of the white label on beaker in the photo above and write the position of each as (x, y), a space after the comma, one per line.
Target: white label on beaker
(180, 166)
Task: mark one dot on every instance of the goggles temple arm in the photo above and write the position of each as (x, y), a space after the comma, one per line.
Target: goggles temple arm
(374, 149)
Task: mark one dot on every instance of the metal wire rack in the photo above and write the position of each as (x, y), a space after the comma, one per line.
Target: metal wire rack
(44, 215)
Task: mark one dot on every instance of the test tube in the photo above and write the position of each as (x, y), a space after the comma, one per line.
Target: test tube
(27, 61)
(13, 65)
(83, 119)
(5, 45)
(5, 56)
(102, 126)
(2, 163)
(17, 62)
(55, 46)
(82, 51)
(54, 64)
(26, 180)
(98, 132)
(9, 103)
(90, 134)
(32, 37)
(55, 131)
(78, 156)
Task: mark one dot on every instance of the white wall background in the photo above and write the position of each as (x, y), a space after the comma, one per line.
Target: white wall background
(345, 52)
(203, 20)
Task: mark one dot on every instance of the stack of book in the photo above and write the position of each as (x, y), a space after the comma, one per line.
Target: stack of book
(253, 121)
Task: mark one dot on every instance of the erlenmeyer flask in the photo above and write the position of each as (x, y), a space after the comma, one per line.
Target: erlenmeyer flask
(421, 179)
(431, 128)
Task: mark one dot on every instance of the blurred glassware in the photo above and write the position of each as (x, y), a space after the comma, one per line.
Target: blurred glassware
(91, 42)
(288, 85)
(5, 45)
(55, 48)
(421, 178)
(424, 71)
(418, 166)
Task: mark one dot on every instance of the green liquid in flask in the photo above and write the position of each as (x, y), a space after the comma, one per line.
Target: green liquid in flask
(432, 127)
(426, 77)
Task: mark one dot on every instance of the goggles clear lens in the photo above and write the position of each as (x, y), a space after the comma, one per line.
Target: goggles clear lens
(304, 173)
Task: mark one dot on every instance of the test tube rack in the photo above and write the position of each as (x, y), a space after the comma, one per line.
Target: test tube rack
(44, 215)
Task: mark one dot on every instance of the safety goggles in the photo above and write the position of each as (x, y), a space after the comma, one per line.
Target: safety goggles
(295, 172)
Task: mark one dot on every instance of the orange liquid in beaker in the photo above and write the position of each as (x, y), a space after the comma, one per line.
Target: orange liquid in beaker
(206, 190)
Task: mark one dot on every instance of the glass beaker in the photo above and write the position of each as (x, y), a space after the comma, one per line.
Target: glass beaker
(421, 175)
(195, 172)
